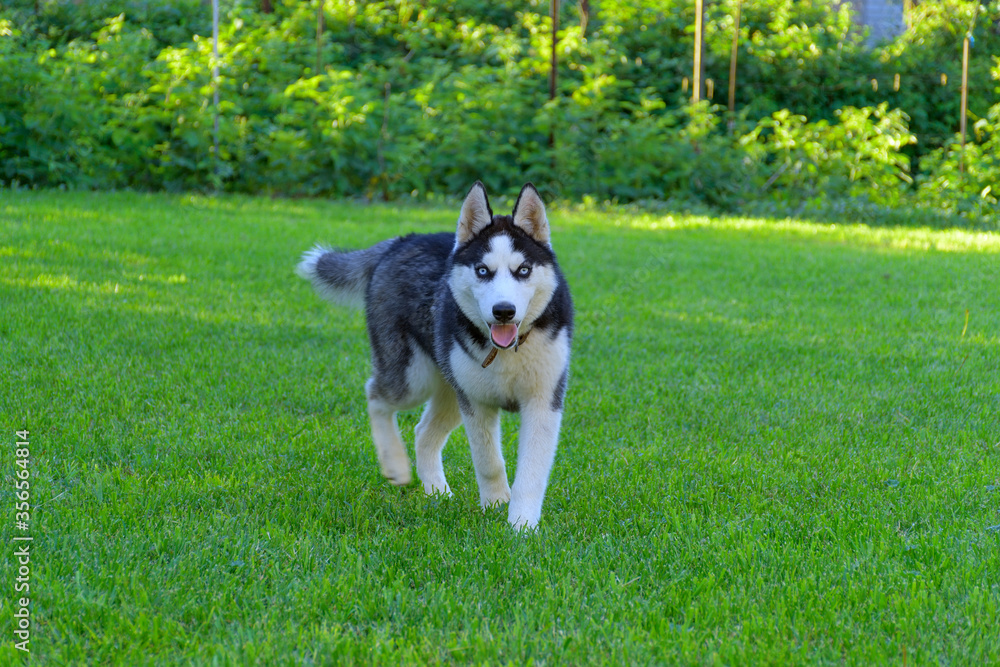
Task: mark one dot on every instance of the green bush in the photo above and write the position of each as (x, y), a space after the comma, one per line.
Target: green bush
(51, 118)
(859, 156)
(401, 98)
(966, 181)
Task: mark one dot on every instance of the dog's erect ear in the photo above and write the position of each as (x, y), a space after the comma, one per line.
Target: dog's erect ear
(529, 214)
(476, 214)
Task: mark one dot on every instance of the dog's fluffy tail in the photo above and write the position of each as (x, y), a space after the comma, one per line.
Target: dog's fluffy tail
(341, 277)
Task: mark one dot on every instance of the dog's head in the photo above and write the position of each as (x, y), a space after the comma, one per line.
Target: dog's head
(503, 269)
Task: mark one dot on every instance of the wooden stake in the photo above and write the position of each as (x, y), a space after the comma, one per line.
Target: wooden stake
(552, 73)
(555, 62)
(965, 100)
(320, 25)
(732, 61)
(215, 80)
(699, 24)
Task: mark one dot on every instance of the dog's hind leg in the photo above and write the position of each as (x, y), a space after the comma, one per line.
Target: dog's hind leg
(440, 418)
(482, 426)
(392, 456)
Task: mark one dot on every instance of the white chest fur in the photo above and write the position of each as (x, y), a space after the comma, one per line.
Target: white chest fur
(529, 374)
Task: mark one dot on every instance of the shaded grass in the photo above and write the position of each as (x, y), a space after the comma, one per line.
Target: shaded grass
(780, 445)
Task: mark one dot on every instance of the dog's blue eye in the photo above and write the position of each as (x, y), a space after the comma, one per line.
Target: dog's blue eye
(524, 271)
(482, 271)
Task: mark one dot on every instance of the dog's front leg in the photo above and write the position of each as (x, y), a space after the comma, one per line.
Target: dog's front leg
(482, 426)
(535, 453)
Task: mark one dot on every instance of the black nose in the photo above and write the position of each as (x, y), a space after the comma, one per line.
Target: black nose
(504, 311)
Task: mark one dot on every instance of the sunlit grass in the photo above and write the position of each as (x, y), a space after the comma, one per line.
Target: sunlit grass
(920, 238)
(781, 446)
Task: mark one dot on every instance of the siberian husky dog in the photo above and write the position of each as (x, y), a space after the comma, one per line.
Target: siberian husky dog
(469, 323)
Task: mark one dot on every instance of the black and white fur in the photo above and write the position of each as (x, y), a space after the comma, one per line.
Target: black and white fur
(436, 305)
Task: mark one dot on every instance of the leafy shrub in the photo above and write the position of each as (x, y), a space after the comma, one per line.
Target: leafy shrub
(966, 182)
(51, 117)
(402, 98)
(859, 156)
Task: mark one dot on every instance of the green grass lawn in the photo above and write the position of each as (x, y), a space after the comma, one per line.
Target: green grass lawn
(781, 445)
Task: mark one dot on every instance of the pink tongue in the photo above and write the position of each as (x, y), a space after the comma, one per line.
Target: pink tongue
(503, 335)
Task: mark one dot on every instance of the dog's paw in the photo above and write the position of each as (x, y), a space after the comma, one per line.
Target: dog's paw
(398, 476)
(524, 516)
(494, 497)
(395, 465)
(437, 487)
(522, 525)
(491, 506)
